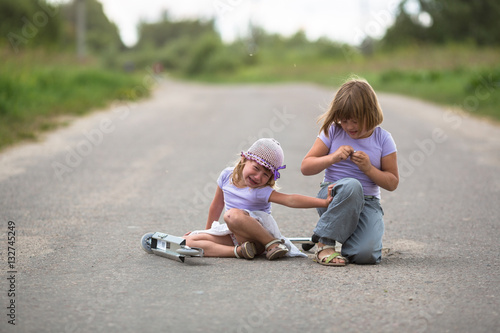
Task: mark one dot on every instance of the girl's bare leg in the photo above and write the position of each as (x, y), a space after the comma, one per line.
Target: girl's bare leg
(213, 246)
(246, 228)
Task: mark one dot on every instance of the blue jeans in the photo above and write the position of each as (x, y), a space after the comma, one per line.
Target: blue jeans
(353, 220)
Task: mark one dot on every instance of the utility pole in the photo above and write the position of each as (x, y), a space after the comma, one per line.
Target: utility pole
(364, 15)
(366, 45)
(80, 29)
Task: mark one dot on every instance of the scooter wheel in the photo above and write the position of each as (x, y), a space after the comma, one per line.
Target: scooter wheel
(307, 246)
(146, 242)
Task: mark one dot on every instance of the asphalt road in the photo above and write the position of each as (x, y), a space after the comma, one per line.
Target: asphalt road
(81, 198)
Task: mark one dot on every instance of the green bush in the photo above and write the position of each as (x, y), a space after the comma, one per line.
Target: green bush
(33, 95)
(489, 79)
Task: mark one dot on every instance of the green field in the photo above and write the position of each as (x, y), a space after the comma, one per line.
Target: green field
(40, 91)
(462, 77)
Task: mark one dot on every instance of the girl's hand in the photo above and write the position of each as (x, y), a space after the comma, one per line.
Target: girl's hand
(362, 160)
(330, 196)
(342, 153)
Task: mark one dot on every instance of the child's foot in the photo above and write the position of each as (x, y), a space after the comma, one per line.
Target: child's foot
(326, 255)
(277, 251)
(246, 250)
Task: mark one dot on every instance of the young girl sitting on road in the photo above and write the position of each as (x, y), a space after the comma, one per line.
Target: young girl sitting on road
(246, 191)
(358, 157)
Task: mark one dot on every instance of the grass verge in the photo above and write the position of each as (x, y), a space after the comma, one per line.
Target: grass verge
(35, 94)
(457, 76)
(37, 90)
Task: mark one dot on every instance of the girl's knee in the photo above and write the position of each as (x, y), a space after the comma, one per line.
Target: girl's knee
(229, 215)
(348, 189)
(352, 185)
(233, 216)
(365, 258)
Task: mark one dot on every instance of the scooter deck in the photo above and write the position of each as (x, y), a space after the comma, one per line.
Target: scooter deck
(173, 247)
(168, 246)
(306, 242)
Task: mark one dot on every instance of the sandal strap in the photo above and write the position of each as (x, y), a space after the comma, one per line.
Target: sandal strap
(324, 247)
(277, 252)
(274, 241)
(236, 252)
(333, 256)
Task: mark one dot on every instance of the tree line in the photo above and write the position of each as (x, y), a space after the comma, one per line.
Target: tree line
(194, 46)
(444, 21)
(27, 24)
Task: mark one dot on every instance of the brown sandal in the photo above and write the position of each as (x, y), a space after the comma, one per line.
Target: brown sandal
(248, 250)
(278, 251)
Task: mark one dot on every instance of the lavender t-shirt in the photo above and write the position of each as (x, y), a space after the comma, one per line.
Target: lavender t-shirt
(376, 146)
(252, 199)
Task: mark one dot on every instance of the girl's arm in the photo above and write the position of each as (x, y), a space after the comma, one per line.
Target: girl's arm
(387, 177)
(300, 201)
(318, 159)
(216, 207)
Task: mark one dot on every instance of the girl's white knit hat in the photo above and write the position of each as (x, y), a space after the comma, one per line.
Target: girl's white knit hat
(268, 153)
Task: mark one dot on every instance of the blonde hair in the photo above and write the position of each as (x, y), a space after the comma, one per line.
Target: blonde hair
(238, 173)
(355, 100)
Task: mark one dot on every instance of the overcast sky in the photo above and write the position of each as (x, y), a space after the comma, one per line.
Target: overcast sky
(347, 21)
